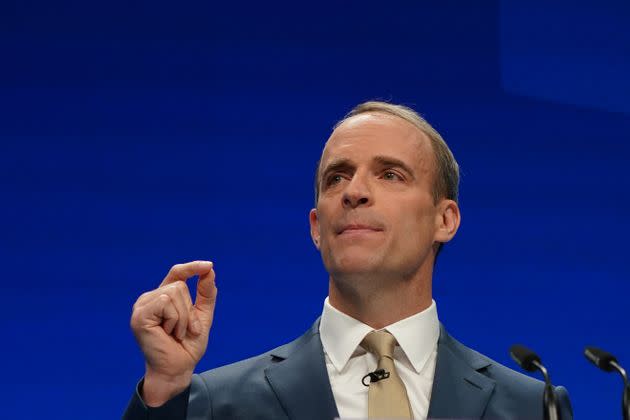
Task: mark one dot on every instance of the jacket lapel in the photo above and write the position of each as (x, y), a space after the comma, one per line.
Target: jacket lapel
(459, 390)
(300, 381)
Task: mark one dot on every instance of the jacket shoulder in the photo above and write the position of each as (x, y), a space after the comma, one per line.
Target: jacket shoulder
(514, 392)
(502, 375)
(241, 389)
(255, 366)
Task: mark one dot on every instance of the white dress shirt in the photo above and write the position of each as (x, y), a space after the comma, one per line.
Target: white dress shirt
(347, 362)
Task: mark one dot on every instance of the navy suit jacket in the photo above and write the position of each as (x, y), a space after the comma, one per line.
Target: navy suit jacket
(291, 382)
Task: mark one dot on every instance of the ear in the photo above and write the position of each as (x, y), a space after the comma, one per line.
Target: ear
(447, 220)
(314, 222)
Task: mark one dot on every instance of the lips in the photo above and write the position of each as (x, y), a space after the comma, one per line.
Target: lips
(358, 228)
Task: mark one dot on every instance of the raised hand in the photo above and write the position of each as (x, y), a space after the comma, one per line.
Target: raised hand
(172, 331)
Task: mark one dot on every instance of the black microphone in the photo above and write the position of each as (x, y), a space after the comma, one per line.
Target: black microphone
(375, 376)
(531, 362)
(607, 362)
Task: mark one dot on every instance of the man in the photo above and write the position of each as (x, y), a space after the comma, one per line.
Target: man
(386, 201)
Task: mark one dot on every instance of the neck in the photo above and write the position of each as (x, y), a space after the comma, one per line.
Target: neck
(385, 302)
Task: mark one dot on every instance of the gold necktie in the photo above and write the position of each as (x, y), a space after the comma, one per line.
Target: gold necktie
(387, 397)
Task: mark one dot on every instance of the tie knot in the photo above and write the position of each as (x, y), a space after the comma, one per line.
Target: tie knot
(381, 343)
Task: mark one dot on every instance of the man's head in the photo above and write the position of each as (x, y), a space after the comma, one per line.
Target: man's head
(446, 181)
(386, 194)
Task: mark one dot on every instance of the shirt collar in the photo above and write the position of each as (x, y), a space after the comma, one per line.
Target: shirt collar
(341, 334)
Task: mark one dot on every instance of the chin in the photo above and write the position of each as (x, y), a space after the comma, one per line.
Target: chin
(349, 263)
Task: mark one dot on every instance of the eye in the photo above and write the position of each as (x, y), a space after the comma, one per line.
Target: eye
(334, 179)
(392, 176)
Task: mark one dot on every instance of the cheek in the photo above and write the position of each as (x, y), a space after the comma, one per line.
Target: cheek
(417, 228)
(324, 228)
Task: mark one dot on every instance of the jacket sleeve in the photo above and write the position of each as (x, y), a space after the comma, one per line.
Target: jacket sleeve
(564, 404)
(174, 409)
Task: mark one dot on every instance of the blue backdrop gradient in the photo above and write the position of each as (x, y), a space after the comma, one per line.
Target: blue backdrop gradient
(136, 135)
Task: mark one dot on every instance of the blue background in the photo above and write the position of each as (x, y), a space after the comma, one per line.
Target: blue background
(135, 135)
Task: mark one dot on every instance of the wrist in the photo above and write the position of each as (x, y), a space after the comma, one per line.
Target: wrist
(158, 388)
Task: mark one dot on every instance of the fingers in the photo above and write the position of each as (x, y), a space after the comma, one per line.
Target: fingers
(169, 306)
(206, 292)
(178, 292)
(154, 310)
(194, 325)
(182, 272)
(164, 309)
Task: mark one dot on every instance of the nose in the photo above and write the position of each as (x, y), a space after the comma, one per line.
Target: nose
(357, 193)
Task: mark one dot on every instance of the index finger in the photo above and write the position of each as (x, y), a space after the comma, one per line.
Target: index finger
(182, 272)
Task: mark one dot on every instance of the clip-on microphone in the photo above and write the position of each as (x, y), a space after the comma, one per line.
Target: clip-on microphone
(375, 376)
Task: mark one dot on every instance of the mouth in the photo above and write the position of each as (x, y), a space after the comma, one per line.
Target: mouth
(358, 230)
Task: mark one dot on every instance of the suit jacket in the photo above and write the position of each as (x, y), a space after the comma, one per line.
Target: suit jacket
(291, 382)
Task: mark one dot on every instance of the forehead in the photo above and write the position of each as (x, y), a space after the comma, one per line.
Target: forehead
(376, 134)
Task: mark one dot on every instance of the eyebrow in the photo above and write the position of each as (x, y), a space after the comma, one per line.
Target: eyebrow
(344, 164)
(389, 162)
(337, 165)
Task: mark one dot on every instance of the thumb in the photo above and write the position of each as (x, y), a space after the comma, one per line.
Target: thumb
(206, 293)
